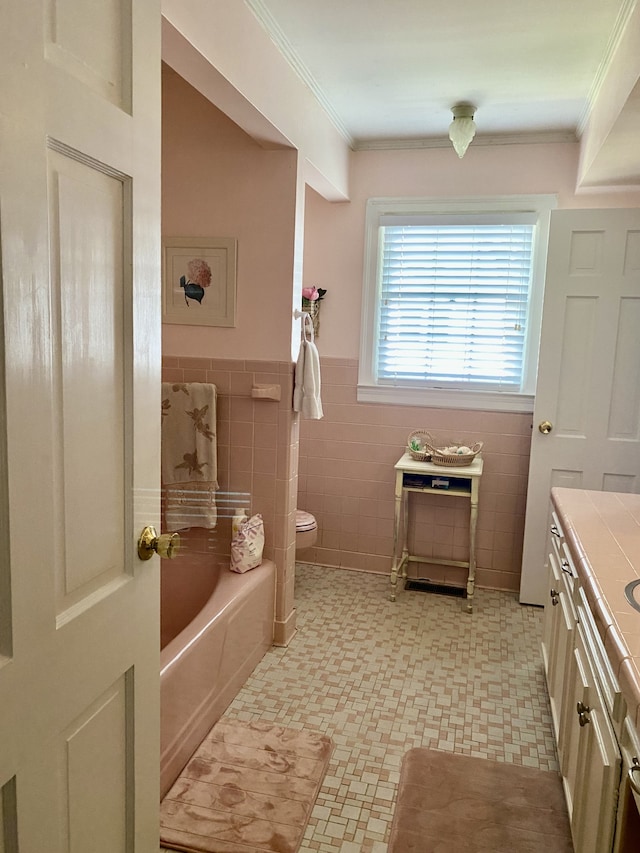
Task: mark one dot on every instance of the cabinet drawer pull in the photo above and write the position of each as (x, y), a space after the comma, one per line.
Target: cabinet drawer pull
(555, 531)
(583, 710)
(566, 568)
(554, 597)
(635, 769)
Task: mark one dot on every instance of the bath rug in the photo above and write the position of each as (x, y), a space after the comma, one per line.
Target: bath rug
(449, 803)
(248, 788)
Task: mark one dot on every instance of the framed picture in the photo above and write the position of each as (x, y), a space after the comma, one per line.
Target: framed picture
(199, 280)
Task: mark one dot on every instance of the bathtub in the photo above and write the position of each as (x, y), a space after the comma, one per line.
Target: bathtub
(216, 626)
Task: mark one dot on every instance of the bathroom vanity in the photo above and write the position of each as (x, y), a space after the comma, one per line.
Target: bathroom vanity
(591, 654)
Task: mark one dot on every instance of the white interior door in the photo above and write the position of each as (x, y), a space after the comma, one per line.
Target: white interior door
(79, 432)
(589, 372)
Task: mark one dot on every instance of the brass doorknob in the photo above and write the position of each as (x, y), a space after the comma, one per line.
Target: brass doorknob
(166, 545)
(545, 427)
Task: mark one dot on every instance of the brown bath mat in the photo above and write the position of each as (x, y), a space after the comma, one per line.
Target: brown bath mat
(449, 803)
(248, 788)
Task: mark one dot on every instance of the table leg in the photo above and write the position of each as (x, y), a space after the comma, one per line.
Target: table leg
(405, 536)
(394, 578)
(473, 520)
(396, 536)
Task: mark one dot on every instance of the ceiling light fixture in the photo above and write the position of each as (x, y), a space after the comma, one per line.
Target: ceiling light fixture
(463, 128)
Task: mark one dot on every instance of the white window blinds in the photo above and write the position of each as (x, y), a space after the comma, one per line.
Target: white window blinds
(453, 301)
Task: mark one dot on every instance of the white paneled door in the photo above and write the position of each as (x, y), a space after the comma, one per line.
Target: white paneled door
(586, 422)
(79, 432)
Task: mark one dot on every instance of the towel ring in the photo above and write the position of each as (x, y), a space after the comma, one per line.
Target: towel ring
(305, 317)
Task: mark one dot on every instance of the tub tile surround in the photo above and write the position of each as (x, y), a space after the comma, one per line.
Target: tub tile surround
(340, 468)
(379, 679)
(257, 463)
(606, 525)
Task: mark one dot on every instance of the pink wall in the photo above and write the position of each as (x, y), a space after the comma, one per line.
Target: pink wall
(257, 464)
(217, 182)
(346, 460)
(223, 49)
(346, 479)
(334, 233)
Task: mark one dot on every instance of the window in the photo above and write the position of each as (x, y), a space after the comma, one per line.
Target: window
(452, 301)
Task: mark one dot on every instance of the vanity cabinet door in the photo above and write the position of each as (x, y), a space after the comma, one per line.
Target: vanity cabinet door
(557, 645)
(550, 622)
(591, 760)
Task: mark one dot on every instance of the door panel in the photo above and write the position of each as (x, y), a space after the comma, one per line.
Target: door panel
(88, 295)
(624, 418)
(80, 432)
(97, 738)
(620, 483)
(578, 339)
(92, 43)
(589, 364)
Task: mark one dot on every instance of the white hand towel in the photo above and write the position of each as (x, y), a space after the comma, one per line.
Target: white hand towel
(311, 402)
(306, 392)
(298, 385)
(189, 455)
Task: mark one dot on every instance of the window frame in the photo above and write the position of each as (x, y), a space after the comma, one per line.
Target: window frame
(369, 390)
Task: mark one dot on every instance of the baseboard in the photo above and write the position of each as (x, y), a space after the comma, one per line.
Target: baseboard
(283, 632)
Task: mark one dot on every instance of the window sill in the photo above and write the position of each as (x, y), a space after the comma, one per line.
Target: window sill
(432, 398)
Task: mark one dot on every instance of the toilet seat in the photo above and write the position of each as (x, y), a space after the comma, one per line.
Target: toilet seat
(305, 521)
(306, 530)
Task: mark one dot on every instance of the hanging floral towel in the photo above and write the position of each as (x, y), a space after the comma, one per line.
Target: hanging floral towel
(189, 455)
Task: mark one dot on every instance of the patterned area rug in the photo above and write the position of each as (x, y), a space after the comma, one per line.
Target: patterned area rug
(450, 803)
(248, 788)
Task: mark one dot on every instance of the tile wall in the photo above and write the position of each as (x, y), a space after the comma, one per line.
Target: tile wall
(257, 462)
(347, 481)
(340, 468)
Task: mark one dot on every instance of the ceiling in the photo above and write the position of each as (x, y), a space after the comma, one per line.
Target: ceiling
(388, 71)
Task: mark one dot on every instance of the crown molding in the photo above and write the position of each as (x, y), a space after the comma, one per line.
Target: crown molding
(280, 40)
(480, 139)
(626, 11)
(277, 36)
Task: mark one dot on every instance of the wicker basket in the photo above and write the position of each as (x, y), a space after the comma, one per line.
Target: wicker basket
(417, 443)
(453, 460)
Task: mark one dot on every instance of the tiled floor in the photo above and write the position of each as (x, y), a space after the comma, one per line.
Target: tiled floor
(382, 677)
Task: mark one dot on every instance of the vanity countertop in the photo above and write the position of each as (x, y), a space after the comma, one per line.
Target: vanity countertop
(603, 533)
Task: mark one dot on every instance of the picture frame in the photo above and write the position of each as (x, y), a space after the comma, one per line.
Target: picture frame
(199, 281)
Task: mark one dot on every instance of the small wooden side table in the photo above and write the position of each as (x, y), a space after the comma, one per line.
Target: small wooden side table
(427, 478)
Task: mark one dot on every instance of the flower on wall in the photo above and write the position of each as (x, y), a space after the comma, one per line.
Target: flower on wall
(311, 298)
(312, 294)
(198, 277)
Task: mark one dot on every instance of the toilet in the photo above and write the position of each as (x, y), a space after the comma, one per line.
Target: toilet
(306, 530)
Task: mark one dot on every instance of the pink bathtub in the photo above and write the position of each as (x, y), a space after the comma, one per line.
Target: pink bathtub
(216, 626)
